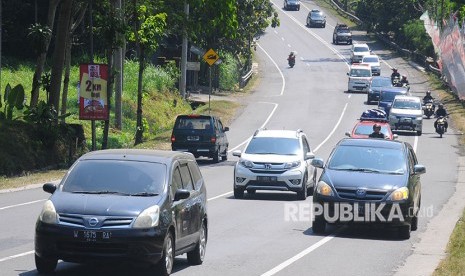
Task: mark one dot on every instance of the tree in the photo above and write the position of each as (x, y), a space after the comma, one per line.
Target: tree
(147, 30)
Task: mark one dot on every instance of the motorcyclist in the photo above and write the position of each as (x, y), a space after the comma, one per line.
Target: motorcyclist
(377, 132)
(441, 112)
(428, 98)
(404, 81)
(394, 74)
(291, 58)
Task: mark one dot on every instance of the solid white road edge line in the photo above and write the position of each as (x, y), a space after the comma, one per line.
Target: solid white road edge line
(16, 256)
(277, 67)
(21, 204)
(302, 254)
(332, 131)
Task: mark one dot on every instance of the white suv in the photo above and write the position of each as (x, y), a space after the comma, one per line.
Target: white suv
(358, 52)
(359, 78)
(275, 160)
(406, 114)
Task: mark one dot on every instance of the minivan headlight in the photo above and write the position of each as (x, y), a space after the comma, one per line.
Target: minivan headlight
(399, 194)
(291, 165)
(324, 189)
(48, 214)
(246, 163)
(148, 218)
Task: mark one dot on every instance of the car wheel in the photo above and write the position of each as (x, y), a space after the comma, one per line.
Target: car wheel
(251, 192)
(216, 156)
(225, 156)
(414, 223)
(302, 194)
(165, 265)
(44, 265)
(319, 225)
(196, 256)
(310, 189)
(419, 133)
(324, 25)
(238, 193)
(404, 232)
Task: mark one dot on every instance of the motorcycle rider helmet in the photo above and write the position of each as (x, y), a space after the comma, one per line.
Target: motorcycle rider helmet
(376, 126)
(428, 93)
(404, 77)
(394, 69)
(440, 105)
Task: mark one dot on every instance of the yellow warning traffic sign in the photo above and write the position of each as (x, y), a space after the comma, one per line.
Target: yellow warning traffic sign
(210, 57)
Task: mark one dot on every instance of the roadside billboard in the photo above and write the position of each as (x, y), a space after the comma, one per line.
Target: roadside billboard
(93, 100)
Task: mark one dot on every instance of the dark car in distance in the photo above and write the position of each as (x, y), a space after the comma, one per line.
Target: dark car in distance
(201, 135)
(342, 34)
(387, 96)
(377, 83)
(377, 180)
(292, 5)
(316, 18)
(125, 205)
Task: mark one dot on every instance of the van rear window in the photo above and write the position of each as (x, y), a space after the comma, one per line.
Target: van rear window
(193, 123)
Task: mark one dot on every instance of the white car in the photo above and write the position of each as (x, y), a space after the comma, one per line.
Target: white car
(358, 51)
(373, 60)
(277, 160)
(359, 78)
(406, 114)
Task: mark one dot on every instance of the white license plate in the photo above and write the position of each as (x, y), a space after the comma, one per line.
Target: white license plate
(192, 138)
(91, 235)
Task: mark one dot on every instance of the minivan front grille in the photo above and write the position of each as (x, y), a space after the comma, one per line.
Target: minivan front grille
(105, 222)
(351, 193)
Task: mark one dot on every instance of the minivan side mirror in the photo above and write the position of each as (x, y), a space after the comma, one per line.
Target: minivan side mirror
(348, 134)
(318, 163)
(49, 188)
(419, 169)
(237, 153)
(395, 136)
(309, 155)
(181, 194)
(226, 129)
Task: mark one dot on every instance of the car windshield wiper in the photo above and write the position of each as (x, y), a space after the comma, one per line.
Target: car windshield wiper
(100, 192)
(363, 170)
(144, 194)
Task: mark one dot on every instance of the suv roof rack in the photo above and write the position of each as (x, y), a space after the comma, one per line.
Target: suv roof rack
(258, 130)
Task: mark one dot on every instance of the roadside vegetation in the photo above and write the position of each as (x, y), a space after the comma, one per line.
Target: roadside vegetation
(454, 263)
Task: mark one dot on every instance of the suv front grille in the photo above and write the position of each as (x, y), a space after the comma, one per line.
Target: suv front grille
(268, 168)
(351, 193)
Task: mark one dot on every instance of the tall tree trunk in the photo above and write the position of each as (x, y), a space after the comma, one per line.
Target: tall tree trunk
(69, 45)
(118, 65)
(59, 52)
(53, 4)
(140, 127)
(106, 128)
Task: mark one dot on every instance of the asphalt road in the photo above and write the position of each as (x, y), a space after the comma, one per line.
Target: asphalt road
(253, 236)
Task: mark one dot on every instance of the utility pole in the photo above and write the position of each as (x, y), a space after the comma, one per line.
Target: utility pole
(118, 63)
(182, 83)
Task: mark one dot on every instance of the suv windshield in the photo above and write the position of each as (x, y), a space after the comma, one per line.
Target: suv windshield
(360, 73)
(272, 145)
(193, 123)
(116, 177)
(401, 104)
(381, 82)
(361, 49)
(368, 159)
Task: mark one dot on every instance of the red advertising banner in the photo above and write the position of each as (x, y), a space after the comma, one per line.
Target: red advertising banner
(93, 100)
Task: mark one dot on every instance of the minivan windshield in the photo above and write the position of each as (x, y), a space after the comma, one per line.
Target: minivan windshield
(406, 104)
(360, 73)
(368, 159)
(122, 177)
(273, 145)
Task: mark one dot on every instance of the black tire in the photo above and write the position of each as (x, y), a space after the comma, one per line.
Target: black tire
(414, 223)
(319, 225)
(251, 192)
(302, 194)
(238, 193)
(196, 256)
(165, 265)
(404, 232)
(216, 156)
(440, 135)
(419, 133)
(44, 265)
(225, 156)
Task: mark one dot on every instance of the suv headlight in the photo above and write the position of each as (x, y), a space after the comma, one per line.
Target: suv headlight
(399, 194)
(291, 165)
(419, 118)
(48, 214)
(246, 163)
(324, 189)
(148, 218)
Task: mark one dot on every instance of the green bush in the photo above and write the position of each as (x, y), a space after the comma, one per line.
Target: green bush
(416, 38)
(229, 74)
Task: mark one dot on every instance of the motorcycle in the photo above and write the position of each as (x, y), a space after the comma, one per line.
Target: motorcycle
(428, 108)
(441, 125)
(291, 61)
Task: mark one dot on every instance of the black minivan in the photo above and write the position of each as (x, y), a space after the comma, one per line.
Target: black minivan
(201, 135)
(125, 205)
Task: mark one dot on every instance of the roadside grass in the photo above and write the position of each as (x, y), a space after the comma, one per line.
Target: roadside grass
(454, 263)
(30, 179)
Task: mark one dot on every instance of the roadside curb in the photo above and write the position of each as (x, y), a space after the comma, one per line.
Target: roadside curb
(417, 66)
(431, 249)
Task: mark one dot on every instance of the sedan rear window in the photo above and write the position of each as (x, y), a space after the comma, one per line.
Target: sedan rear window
(368, 159)
(273, 145)
(116, 177)
(193, 123)
(381, 82)
(361, 49)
